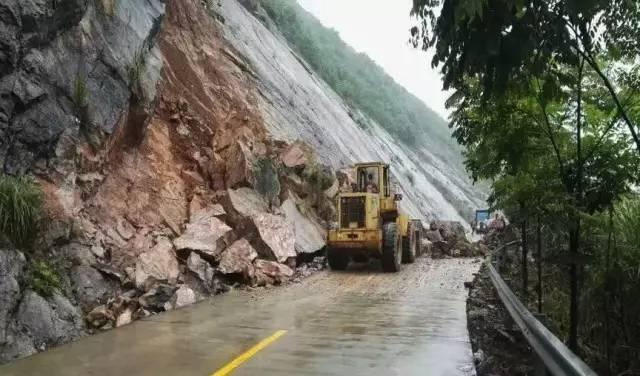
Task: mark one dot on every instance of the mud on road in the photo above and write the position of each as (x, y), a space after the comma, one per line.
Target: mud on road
(357, 322)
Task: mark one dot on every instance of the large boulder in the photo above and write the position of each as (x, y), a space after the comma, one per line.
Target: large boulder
(310, 236)
(206, 234)
(269, 273)
(238, 259)
(276, 237)
(12, 264)
(49, 322)
(90, 287)
(157, 264)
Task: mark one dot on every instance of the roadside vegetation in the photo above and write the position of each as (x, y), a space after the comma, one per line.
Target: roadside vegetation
(547, 106)
(20, 211)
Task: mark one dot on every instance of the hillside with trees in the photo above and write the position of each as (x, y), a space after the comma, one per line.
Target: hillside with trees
(362, 83)
(547, 106)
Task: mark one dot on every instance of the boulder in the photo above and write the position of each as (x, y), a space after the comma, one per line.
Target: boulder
(12, 264)
(215, 210)
(207, 235)
(238, 258)
(310, 236)
(49, 322)
(332, 191)
(183, 297)
(89, 287)
(156, 298)
(449, 229)
(201, 268)
(434, 236)
(237, 163)
(269, 272)
(157, 264)
(99, 317)
(276, 237)
(245, 202)
(295, 156)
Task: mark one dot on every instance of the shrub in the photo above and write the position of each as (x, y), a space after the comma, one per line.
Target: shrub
(80, 92)
(43, 278)
(20, 211)
(136, 71)
(266, 178)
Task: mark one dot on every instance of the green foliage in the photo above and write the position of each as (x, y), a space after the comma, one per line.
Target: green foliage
(43, 278)
(136, 72)
(20, 211)
(80, 92)
(319, 177)
(360, 81)
(266, 177)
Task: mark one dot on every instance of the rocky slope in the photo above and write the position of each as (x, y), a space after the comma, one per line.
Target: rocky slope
(150, 127)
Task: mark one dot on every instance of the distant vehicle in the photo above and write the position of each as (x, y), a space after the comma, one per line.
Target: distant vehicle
(481, 221)
(371, 224)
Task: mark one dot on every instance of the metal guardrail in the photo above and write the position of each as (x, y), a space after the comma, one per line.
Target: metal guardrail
(556, 358)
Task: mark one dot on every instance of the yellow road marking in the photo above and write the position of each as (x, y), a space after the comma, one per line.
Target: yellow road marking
(237, 362)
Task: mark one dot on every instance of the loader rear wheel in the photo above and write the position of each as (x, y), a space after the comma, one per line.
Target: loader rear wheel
(391, 248)
(337, 260)
(409, 246)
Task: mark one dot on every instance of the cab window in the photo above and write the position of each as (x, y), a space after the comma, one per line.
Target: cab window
(368, 179)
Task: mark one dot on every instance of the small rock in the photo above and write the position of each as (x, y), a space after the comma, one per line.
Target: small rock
(479, 357)
(183, 297)
(156, 298)
(125, 229)
(98, 251)
(99, 317)
(125, 318)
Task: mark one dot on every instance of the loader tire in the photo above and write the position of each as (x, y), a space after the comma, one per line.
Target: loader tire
(391, 248)
(337, 260)
(409, 246)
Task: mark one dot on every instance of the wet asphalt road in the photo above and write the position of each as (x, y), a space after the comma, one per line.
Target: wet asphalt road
(359, 322)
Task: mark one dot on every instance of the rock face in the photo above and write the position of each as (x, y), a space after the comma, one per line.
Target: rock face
(12, 264)
(207, 235)
(49, 322)
(157, 264)
(78, 48)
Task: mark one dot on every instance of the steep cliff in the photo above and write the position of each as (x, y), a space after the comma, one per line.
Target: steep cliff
(182, 148)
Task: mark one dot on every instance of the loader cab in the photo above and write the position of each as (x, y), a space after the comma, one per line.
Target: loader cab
(373, 178)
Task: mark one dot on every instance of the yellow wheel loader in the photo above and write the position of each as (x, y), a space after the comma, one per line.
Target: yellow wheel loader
(370, 223)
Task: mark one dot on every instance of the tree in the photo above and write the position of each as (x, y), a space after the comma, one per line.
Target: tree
(499, 40)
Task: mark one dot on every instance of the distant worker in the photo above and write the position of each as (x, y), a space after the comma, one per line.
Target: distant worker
(371, 185)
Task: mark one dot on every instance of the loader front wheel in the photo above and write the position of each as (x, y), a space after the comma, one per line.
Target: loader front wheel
(391, 248)
(337, 260)
(409, 246)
